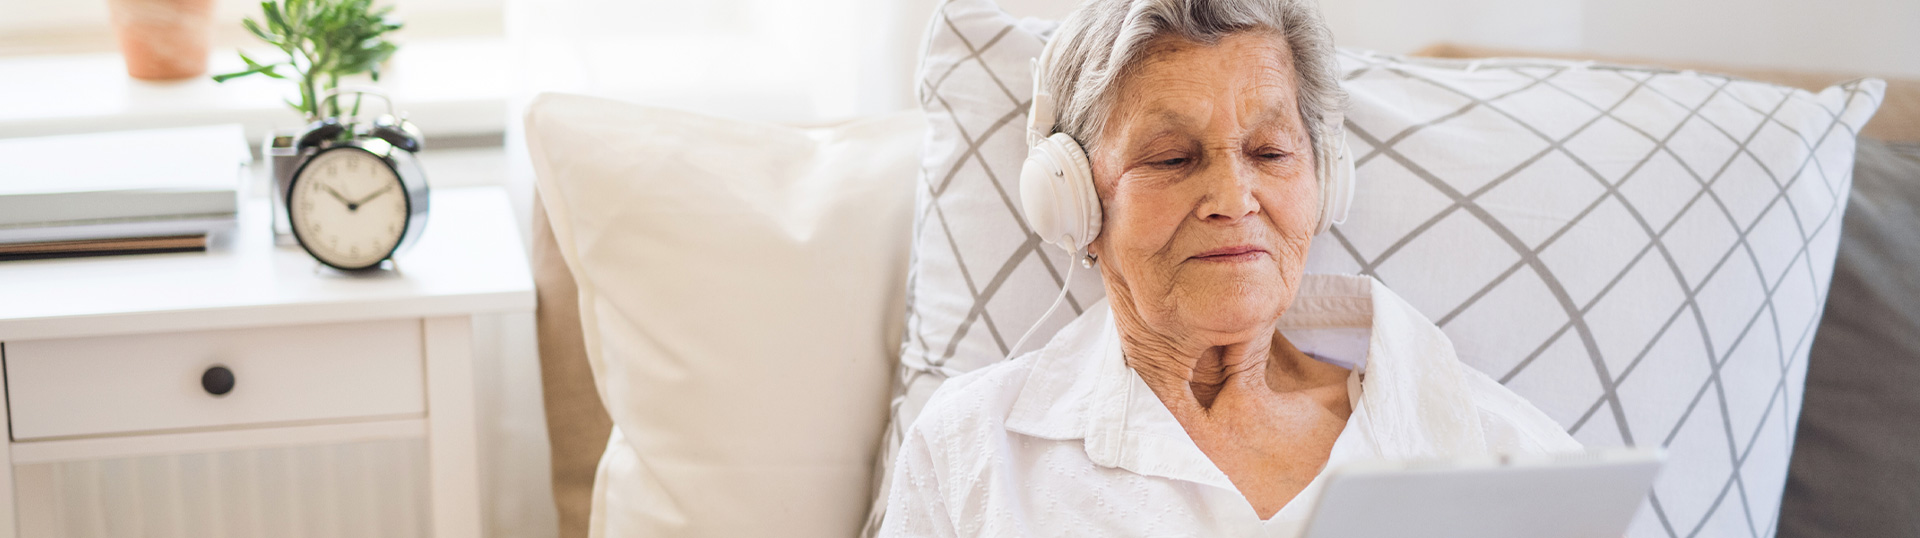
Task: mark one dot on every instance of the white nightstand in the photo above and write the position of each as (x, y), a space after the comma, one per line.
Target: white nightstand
(352, 406)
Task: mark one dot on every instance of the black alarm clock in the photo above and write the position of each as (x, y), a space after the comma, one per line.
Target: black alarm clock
(357, 197)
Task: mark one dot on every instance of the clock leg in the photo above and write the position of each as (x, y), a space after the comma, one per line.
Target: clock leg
(452, 452)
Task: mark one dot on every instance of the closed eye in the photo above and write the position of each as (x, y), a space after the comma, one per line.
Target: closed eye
(1173, 162)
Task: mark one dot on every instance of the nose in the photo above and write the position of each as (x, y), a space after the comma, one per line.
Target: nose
(1228, 195)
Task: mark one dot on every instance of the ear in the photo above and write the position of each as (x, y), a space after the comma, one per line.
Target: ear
(1099, 162)
(1098, 249)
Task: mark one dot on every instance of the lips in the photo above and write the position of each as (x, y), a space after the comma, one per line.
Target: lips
(1232, 254)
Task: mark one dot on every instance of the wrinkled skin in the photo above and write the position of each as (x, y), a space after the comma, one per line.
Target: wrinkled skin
(1206, 175)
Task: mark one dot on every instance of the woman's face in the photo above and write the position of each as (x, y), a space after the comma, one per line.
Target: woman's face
(1206, 175)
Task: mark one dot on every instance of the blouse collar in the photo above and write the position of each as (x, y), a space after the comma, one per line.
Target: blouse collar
(1080, 387)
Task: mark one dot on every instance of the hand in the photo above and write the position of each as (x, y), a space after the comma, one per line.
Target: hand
(370, 197)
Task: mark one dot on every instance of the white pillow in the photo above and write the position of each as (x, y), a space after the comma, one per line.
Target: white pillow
(977, 271)
(1485, 196)
(1643, 254)
(740, 299)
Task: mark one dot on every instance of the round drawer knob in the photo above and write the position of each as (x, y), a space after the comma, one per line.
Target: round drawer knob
(217, 380)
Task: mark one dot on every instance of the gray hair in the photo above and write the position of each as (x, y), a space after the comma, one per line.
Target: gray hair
(1103, 38)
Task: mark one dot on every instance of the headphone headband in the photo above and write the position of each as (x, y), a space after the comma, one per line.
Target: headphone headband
(1042, 118)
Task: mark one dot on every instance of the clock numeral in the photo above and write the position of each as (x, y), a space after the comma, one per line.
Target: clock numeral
(356, 231)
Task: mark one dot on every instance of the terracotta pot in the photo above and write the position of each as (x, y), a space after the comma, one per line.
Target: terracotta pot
(163, 39)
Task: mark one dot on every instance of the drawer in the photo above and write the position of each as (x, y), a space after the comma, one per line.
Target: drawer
(361, 489)
(136, 383)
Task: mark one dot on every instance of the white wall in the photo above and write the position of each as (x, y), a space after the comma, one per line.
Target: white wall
(1400, 26)
(1864, 37)
(1856, 37)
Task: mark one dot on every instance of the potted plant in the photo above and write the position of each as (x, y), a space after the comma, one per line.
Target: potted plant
(324, 41)
(163, 39)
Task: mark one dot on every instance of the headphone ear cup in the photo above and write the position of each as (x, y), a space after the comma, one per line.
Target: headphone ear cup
(1057, 195)
(1079, 176)
(1336, 185)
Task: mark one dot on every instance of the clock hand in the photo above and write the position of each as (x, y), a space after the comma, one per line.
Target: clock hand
(337, 196)
(376, 194)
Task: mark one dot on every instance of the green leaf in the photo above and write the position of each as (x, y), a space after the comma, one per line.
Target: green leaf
(325, 40)
(275, 21)
(379, 54)
(254, 28)
(249, 71)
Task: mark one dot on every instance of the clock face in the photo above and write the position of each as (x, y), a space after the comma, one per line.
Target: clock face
(348, 208)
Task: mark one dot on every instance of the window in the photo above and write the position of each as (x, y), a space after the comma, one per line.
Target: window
(40, 27)
(61, 72)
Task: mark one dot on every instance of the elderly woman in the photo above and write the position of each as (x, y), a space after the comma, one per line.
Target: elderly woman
(1212, 391)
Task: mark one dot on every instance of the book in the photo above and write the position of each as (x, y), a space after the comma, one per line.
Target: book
(103, 247)
(117, 228)
(147, 183)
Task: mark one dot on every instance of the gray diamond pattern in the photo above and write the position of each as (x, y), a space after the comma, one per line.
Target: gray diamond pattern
(1711, 210)
(1734, 264)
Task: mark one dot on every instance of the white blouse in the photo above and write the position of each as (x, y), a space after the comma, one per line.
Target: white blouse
(1069, 441)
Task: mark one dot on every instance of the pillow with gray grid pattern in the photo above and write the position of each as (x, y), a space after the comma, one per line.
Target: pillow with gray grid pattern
(1642, 253)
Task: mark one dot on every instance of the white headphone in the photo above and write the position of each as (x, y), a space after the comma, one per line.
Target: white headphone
(1056, 182)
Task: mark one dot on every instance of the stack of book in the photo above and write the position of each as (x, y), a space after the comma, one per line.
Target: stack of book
(161, 190)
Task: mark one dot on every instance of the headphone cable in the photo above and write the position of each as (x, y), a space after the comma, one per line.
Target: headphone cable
(1066, 285)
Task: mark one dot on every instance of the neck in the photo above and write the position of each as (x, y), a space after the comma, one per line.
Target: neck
(1189, 369)
(1176, 366)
